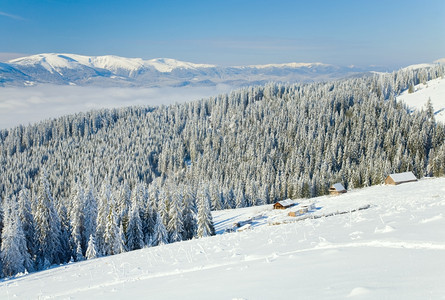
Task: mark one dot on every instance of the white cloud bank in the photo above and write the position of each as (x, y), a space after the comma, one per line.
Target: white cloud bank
(32, 104)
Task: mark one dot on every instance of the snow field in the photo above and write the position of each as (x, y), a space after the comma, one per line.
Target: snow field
(394, 249)
(434, 90)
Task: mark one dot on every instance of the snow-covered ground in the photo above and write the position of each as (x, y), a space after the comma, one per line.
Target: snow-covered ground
(395, 249)
(434, 90)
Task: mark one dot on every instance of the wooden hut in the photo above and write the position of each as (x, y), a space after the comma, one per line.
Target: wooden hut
(398, 178)
(301, 211)
(337, 189)
(283, 204)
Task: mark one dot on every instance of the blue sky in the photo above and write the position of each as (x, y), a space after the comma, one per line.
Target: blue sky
(230, 32)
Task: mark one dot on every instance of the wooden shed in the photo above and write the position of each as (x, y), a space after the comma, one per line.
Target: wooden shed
(283, 204)
(337, 189)
(301, 211)
(398, 178)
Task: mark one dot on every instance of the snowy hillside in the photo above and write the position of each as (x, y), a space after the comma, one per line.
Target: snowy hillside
(109, 70)
(434, 90)
(373, 243)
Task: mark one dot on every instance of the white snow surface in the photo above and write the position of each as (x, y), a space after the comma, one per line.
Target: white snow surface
(394, 249)
(56, 61)
(286, 202)
(338, 187)
(434, 90)
(405, 176)
(418, 66)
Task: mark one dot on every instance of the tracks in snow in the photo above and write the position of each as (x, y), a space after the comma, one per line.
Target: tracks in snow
(411, 245)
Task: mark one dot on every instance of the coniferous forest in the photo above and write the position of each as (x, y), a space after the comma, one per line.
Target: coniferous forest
(109, 181)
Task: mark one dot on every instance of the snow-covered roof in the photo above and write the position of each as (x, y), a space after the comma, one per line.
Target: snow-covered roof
(338, 187)
(402, 177)
(286, 202)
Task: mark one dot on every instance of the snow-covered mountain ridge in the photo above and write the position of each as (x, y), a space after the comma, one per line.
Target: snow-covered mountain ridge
(109, 70)
(54, 61)
(393, 249)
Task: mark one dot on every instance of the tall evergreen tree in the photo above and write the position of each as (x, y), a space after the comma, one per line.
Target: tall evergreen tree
(91, 249)
(103, 211)
(90, 214)
(160, 234)
(135, 237)
(175, 224)
(25, 213)
(189, 215)
(205, 220)
(47, 225)
(77, 220)
(14, 254)
(112, 235)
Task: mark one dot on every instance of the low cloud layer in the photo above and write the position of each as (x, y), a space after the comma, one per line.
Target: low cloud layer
(33, 104)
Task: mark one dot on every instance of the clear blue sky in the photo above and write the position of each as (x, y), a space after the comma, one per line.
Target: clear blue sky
(230, 32)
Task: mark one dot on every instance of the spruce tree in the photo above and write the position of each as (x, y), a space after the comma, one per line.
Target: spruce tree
(77, 220)
(135, 238)
(14, 254)
(90, 214)
(27, 219)
(205, 220)
(47, 225)
(175, 224)
(111, 235)
(189, 215)
(91, 249)
(160, 234)
(103, 210)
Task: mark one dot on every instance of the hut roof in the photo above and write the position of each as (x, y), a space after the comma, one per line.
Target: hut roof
(338, 187)
(403, 177)
(287, 202)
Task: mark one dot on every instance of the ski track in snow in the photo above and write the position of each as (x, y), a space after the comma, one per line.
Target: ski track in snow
(268, 258)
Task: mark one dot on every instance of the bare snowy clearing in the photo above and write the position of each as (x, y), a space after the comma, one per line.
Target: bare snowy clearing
(434, 90)
(393, 249)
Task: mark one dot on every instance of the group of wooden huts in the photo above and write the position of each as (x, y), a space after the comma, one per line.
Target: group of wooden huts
(338, 188)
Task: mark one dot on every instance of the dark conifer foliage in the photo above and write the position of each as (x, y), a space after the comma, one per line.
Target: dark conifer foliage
(109, 181)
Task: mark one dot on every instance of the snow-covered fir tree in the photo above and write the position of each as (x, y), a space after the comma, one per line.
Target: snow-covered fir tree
(47, 225)
(160, 234)
(175, 226)
(91, 249)
(135, 237)
(24, 211)
(205, 220)
(14, 254)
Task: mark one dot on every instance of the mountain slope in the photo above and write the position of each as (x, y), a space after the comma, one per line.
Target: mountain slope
(433, 90)
(393, 249)
(119, 71)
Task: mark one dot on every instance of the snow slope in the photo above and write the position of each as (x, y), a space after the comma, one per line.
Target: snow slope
(393, 248)
(434, 90)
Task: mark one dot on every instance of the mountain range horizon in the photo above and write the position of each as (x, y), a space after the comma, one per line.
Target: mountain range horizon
(111, 70)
